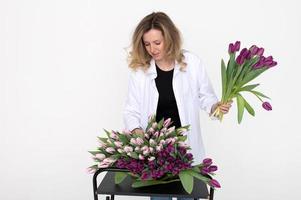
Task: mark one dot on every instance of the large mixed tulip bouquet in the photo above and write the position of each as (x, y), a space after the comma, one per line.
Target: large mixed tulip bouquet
(158, 156)
(238, 72)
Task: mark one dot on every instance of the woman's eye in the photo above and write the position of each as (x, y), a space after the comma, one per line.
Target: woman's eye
(158, 43)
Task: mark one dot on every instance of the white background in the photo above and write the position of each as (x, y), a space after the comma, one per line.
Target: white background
(63, 77)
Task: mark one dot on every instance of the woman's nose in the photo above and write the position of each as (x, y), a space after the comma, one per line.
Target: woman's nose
(152, 49)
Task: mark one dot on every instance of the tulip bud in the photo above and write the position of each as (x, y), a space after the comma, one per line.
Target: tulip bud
(141, 157)
(254, 49)
(128, 149)
(100, 156)
(118, 144)
(214, 183)
(207, 161)
(237, 46)
(167, 122)
(231, 48)
(260, 51)
(151, 158)
(266, 105)
(110, 150)
(152, 142)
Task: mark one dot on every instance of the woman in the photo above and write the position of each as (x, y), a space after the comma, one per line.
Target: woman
(167, 81)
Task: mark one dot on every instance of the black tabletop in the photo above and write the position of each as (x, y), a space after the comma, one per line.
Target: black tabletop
(174, 189)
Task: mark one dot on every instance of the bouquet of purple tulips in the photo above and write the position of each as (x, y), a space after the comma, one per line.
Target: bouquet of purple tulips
(240, 70)
(158, 156)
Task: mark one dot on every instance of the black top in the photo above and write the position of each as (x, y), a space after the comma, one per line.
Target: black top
(167, 105)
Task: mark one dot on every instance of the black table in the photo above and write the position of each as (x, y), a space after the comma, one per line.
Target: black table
(174, 189)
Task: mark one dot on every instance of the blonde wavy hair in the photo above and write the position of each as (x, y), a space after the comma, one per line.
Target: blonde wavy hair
(139, 57)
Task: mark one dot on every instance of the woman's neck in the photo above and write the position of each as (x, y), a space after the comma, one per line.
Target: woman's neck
(165, 65)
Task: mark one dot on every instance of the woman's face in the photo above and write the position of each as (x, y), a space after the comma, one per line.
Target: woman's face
(154, 44)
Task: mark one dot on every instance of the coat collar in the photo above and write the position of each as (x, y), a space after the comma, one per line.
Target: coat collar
(152, 72)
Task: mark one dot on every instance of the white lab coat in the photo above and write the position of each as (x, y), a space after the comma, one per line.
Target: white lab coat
(192, 89)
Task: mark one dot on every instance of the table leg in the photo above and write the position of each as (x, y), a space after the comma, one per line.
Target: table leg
(211, 193)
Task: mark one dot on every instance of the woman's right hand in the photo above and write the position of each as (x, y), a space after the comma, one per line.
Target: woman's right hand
(138, 131)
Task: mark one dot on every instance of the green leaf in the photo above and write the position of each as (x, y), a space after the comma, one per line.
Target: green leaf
(119, 177)
(160, 124)
(94, 152)
(123, 139)
(259, 94)
(107, 132)
(224, 78)
(230, 66)
(186, 180)
(105, 140)
(248, 87)
(182, 138)
(134, 155)
(240, 107)
(249, 108)
(196, 169)
(199, 176)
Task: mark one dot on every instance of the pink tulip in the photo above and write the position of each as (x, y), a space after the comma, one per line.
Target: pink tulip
(167, 122)
(151, 158)
(118, 144)
(120, 150)
(133, 141)
(154, 125)
(110, 150)
(90, 170)
(170, 130)
(183, 144)
(141, 157)
(128, 149)
(100, 156)
(139, 141)
(113, 135)
(156, 134)
(103, 165)
(159, 147)
(152, 142)
(102, 144)
(151, 130)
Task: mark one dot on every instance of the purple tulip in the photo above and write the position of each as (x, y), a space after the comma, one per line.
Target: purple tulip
(254, 49)
(214, 183)
(260, 51)
(248, 55)
(205, 170)
(260, 63)
(266, 105)
(237, 46)
(269, 58)
(274, 63)
(231, 48)
(240, 59)
(207, 161)
(212, 168)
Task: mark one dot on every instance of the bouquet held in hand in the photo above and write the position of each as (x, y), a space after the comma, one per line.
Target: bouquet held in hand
(237, 74)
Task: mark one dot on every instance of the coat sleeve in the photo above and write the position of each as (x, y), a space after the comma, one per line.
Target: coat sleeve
(132, 113)
(206, 95)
